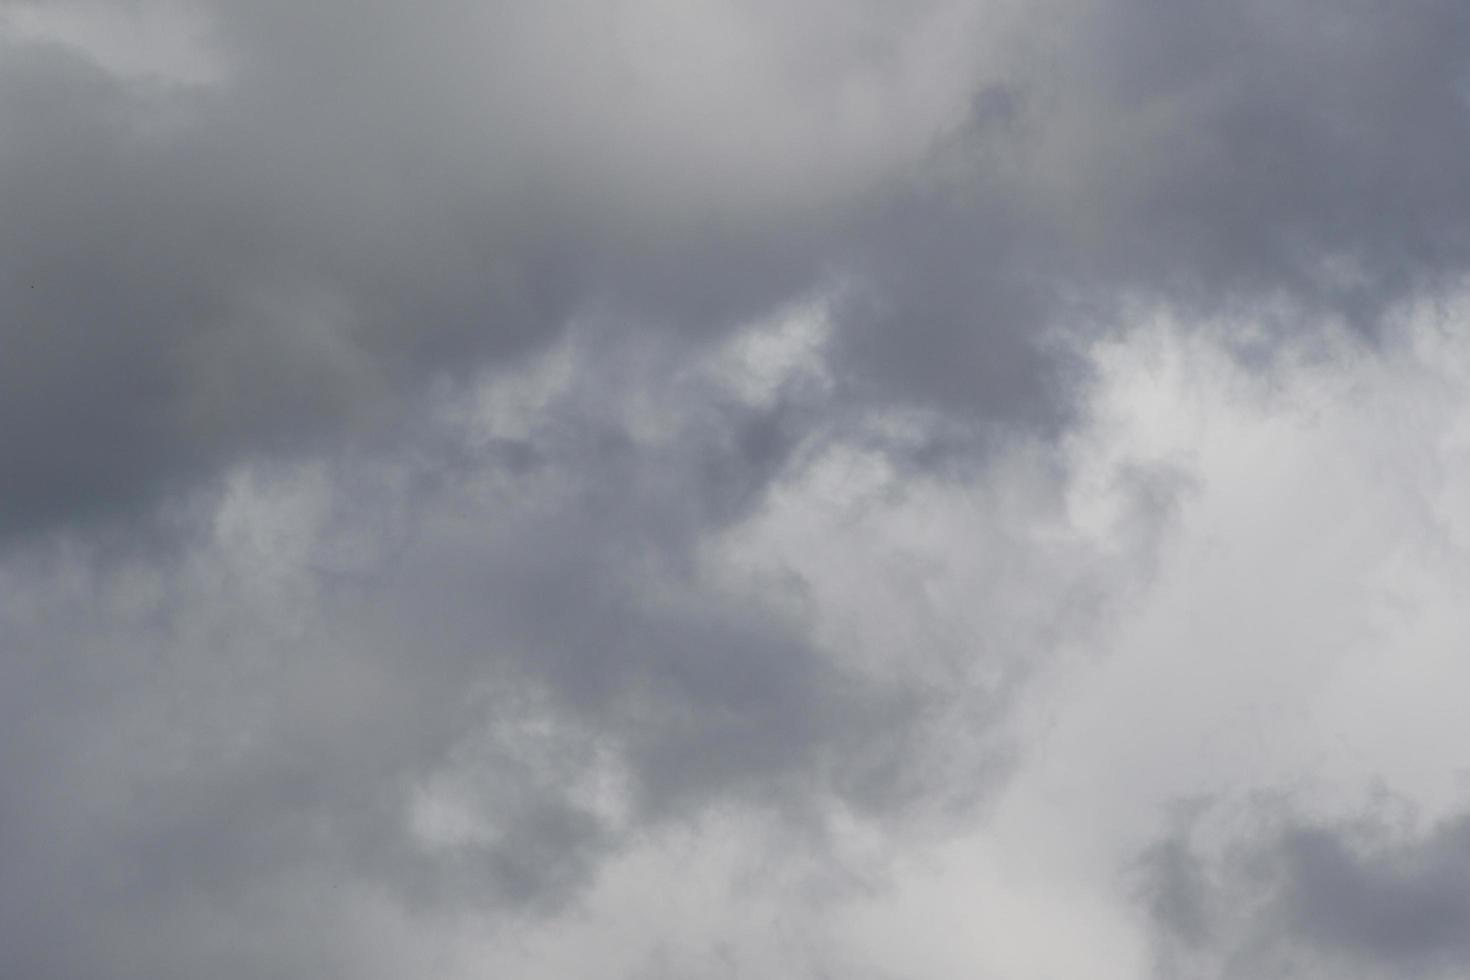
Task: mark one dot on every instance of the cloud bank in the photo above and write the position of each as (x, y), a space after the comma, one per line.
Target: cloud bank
(720, 489)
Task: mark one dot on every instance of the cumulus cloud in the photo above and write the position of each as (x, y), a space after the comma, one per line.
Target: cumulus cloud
(469, 474)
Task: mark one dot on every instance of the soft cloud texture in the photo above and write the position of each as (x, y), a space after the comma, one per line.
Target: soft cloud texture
(729, 488)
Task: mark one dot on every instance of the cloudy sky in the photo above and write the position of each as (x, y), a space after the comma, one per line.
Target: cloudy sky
(699, 489)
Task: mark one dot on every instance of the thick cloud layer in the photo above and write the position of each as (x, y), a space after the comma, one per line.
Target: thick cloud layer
(468, 473)
(362, 197)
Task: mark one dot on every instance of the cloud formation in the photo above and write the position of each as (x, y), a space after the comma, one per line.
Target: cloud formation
(469, 473)
(429, 189)
(1360, 900)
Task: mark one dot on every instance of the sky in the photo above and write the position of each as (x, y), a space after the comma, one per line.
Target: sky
(701, 489)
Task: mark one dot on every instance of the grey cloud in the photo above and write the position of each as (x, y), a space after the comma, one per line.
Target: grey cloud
(247, 722)
(372, 205)
(1408, 904)
(372, 197)
(1251, 148)
(1367, 898)
(1231, 159)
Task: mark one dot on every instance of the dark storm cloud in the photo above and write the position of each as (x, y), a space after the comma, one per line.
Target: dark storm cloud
(1363, 899)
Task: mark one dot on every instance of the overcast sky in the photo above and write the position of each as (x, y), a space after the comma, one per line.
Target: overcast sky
(699, 489)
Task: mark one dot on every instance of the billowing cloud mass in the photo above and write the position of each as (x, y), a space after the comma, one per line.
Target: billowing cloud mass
(646, 489)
